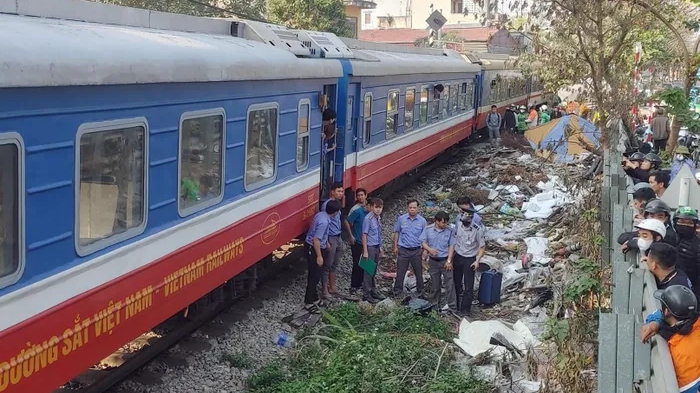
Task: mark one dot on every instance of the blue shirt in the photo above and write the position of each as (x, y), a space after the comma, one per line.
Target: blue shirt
(440, 240)
(409, 230)
(372, 227)
(356, 220)
(319, 229)
(334, 229)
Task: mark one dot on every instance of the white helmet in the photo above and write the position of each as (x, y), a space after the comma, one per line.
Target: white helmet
(543, 107)
(653, 225)
(697, 176)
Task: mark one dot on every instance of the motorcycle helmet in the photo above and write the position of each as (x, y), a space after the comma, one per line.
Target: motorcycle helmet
(636, 156)
(686, 212)
(678, 300)
(652, 225)
(653, 159)
(656, 205)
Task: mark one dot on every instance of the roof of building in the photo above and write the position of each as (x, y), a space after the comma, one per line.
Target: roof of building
(405, 36)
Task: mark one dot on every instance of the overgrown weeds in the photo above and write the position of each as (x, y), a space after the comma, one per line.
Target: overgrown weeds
(371, 351)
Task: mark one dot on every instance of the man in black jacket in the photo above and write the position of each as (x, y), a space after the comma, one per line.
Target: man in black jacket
(638, 166)
(510, 122)
(684, 221)
(655, 208)
(662, 264)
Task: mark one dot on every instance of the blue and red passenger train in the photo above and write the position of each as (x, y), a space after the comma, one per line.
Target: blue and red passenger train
(148, 158)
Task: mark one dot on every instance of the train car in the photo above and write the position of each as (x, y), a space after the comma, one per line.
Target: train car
(394, 118)
(141, 168)
(144, 166)
(501, 83)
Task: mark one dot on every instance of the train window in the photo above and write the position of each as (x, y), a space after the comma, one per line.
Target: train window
(303, 138)
(455, 99)
(367, 116)
(11, 209)
(201, 168)
(424, 92)
(111, 195)
(445, 103)
(392, 114)
(409, 107)
(261, 145)
(470, 95)
(463, 96)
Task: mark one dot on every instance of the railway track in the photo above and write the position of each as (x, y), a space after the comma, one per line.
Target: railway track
(126, 361)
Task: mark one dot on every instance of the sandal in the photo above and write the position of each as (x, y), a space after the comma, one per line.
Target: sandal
(321, 303)
(312, 309)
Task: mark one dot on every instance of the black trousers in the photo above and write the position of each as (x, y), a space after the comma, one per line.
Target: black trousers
(660, 144)
(315, 273)
(357, 272)
(464, 274)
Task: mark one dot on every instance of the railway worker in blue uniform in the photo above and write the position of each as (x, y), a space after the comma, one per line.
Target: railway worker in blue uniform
(317, 239)
(438, 241)
(354, 224)
(372, 248)
(407, 247)
(470, 247)
(335, 244)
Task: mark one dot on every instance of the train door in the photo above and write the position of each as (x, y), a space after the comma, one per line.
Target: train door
(353, 141)
(328, 159)
(478, 96)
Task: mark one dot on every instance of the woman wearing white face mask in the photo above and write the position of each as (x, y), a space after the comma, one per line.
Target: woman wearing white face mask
(649, 230)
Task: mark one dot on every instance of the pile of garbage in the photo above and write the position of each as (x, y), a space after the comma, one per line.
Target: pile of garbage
(524, 203)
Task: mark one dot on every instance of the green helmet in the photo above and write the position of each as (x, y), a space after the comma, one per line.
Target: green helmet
(686, 212)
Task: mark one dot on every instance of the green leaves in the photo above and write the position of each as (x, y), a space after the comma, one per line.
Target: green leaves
(318, 15)
(678, 106)
(371, 350)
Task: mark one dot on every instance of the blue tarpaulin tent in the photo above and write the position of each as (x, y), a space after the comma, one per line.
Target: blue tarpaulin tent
(565, 138)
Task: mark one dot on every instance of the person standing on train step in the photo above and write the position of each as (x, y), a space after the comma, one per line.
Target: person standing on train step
(354, 224)
(372, 248)
(470, 247)
(328, 143)
(335, 244)
(493, 123)
(407, 247)
(438, 241)
(317, 239)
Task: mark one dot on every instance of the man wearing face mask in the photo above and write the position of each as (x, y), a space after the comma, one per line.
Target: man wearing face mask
(681, 328)
(658, 209)
(470, 247)
(684, 221)
(649, 231)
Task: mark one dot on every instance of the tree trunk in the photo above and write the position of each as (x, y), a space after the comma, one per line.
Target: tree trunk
(673, 135)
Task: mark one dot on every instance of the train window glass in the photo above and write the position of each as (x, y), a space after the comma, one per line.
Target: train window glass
(392, 114)
(261, 145)
(435, 106)
(445, 103)
(423, 105)
(409, 107)
(201, 160)
(463, 96)
(11, 209)
(111, 191)
(367, 116)
(470, 95)
(455, 99)
(510, 88)
(303, 138)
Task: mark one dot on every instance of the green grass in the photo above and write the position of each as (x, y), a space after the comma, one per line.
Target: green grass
(370, 351)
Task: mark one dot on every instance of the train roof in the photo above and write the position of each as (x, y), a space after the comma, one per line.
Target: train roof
(374, 59)
(49, 52)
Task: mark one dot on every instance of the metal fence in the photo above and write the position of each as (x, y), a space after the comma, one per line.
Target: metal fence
(625, 364)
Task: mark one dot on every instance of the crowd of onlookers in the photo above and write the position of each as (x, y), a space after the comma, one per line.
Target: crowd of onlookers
(669, 244)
